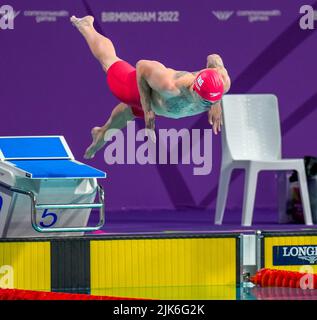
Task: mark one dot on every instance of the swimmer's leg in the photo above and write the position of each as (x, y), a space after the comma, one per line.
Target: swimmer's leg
(120, 115)
(101, 47)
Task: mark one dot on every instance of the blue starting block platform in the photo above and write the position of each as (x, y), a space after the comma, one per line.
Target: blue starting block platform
(43, 189)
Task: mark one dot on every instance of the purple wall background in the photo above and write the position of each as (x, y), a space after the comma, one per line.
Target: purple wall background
(50, 84)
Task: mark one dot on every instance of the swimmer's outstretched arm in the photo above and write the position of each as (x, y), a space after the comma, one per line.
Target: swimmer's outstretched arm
(215, 117)
(145, 95)
(215, 112)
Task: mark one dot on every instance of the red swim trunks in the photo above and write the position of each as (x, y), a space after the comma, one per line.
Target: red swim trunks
(121, 78)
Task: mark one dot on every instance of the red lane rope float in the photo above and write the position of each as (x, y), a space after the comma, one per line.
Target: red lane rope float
(17, 294)
(282, 278)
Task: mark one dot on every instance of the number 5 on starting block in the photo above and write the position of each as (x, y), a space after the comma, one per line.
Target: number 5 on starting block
(51, 215)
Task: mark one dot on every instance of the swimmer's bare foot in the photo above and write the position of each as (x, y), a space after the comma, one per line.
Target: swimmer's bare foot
(82, 24)
(98, 142)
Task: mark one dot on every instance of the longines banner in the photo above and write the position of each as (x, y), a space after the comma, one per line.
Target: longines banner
(294, 255)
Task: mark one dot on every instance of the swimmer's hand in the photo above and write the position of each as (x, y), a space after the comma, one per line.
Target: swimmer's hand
(215, 118)
(149, 118)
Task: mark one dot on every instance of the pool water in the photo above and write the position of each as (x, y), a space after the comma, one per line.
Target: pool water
(210, 293)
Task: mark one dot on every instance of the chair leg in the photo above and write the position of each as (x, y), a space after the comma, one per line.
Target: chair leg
(282, 194)
(250, 183)
(223, 187)
(305, 196)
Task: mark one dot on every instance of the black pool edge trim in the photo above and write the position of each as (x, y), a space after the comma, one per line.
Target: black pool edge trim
(176, 235)
(125, 237)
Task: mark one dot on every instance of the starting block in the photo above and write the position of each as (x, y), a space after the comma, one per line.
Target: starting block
(44, 191)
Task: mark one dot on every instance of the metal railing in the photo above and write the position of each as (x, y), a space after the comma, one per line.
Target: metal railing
(35, 206)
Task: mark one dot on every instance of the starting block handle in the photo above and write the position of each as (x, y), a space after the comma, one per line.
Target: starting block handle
(68, 206)
(35, 207)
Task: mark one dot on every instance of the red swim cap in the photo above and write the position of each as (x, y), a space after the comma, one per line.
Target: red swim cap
(209, 85)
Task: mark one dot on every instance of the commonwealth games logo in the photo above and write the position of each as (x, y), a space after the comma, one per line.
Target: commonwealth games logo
(223, 15)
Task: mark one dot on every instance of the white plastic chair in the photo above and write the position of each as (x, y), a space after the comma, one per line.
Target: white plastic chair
(251, 140)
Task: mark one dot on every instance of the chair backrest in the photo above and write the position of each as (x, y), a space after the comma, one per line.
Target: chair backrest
(251, 128)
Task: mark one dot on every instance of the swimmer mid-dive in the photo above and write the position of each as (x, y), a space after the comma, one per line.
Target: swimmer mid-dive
(151, 89)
